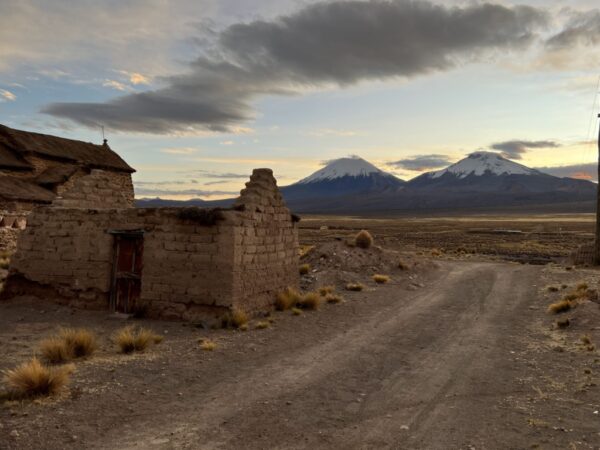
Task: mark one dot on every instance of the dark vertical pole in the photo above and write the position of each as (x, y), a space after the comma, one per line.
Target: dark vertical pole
(597, 243)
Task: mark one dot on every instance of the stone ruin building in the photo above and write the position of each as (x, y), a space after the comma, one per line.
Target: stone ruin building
(173, 263)
(38, 169)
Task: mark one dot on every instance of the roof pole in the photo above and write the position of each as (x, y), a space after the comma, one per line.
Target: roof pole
(597, 243)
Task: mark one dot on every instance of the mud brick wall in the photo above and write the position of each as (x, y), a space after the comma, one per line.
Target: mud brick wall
(192, 269)
(99, 189)
(266, 244)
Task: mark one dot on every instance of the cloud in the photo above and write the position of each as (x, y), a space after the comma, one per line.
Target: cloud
(211, 183)
(227, 175)
(583, 29)
(515, 149)
(327, 132)
(116, 85)
(420, 163)
(137, 78)
(7, 96)
(179, 150)
(323, 44)
(587, 171)
(227, 143)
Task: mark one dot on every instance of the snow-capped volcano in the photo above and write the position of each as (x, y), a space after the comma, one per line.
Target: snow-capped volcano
(344, 177)
(480, 163)
(344, 167)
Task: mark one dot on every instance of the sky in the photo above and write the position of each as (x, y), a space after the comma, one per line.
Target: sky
(196, 93)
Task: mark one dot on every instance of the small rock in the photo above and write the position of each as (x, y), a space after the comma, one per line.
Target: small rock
(14, 434)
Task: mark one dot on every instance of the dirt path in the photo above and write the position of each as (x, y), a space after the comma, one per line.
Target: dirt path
(420, 375)
(449, 366)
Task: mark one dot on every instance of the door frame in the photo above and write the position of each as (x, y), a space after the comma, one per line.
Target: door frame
(115, 261)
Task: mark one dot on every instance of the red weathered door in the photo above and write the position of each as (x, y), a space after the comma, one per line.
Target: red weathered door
(127, 272)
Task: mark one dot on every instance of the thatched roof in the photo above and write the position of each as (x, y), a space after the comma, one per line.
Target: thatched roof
(18, 189)
(15, 144)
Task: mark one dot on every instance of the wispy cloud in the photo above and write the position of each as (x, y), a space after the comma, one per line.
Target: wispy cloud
(179, 150)
(323, 44)
(116, 85)
(7, 96)
(144, 192)
(516, 149)
(587, 171)
(420, 163)
(328, 132)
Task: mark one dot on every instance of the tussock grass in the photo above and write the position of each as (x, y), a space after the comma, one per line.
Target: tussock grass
(356, 287)
(80, 342)
(582, 287)
(130, 339)
(402, 265)
(363, 239)
(324, 290)
(436, 252)
(304, 269)
(381, 279)
(33, 379)
(54, 350)
(310, 300)
(552, 289)
(234, 319)
(243, 327)
(296, 311)
(287, 299)
(208, 345)
(563, 323)
(586, 339)
(263, 324)
(333, 298)
(561, 306)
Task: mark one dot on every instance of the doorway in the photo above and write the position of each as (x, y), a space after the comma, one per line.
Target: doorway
(126, 284)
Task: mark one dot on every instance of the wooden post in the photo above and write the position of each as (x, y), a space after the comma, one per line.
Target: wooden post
(597, 243)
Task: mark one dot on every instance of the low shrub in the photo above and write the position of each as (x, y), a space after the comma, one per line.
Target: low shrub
(356, 287)
(262, 325)
(310, 300)
(287, 299)
(560, 306)
(304, 269)
(33, 379)
(129, 339)
(333, 298)
(207, 345)
(363, 239)
(324, 290)
(381, 279)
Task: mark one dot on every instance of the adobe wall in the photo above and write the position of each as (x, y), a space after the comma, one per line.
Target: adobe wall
(192, 268)
(68, 254)
(266, 244)
(99, 189)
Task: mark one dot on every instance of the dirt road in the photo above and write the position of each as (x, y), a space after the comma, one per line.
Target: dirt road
(448, 366)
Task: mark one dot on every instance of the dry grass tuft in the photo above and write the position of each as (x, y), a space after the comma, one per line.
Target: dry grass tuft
(33, 379)
(402, 265)
(287, 299)
(310, 300)
(356, 287)
(304, 269)
(333, 298)
(207, 345)
(54, 350)
(586, 339)
(552, 289)
(243, 327)
(582, 287)
(563, 323)
(296, 311)
(381, 279)
(436, 252)
(130, 339)
(363, 239)
(80, 342)
(561, 306)
(238, 318)
(263, 324)
(324, 290)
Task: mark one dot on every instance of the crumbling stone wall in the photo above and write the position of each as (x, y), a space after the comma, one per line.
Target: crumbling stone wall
(192, 269)
(99, 189)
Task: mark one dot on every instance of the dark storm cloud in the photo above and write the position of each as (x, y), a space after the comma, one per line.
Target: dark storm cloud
(581, 171)
(515, 149)
(340, 43)
(582, 29)
(422, 162)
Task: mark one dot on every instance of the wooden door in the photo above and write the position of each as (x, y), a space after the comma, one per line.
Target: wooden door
(127, 272)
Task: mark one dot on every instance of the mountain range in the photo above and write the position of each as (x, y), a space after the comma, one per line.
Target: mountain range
(483, 181)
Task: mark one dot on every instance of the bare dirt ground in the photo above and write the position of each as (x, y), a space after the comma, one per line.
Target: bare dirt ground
(454, 353)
